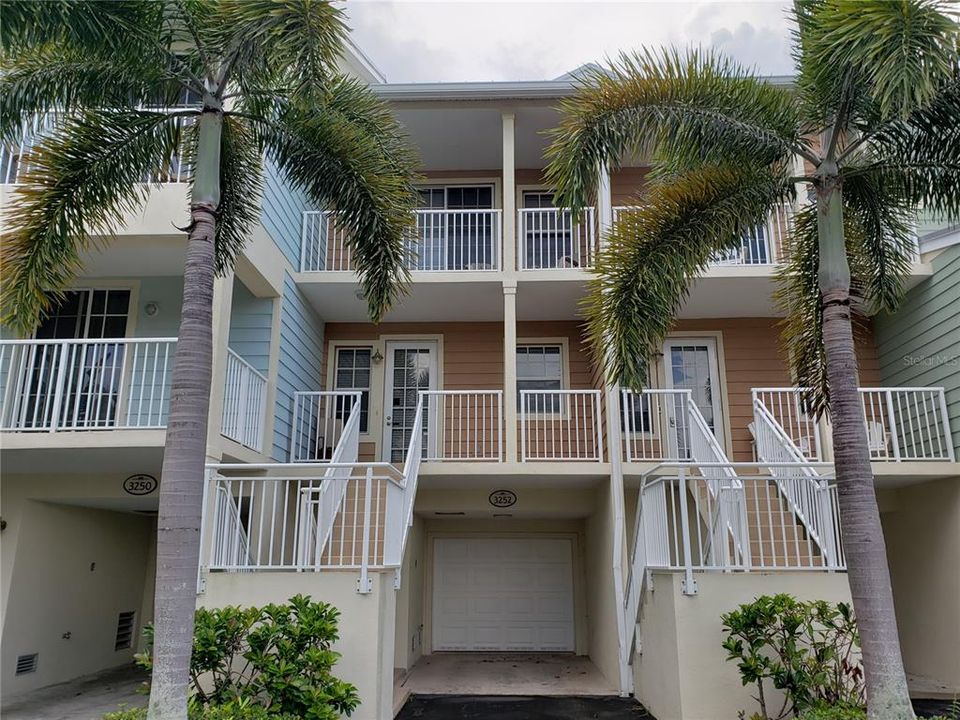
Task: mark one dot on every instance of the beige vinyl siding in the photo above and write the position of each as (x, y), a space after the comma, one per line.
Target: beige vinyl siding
(626, 185)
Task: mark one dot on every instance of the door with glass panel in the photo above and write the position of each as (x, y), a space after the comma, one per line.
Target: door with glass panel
(451, 240)
(691, 364)
(547, 235)
(88, 375)
(410, 368)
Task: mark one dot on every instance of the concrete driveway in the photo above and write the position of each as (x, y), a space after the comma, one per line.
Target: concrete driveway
(86, 698)
(499, 707)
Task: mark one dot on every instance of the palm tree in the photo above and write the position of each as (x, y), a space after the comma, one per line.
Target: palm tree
(247, 80)
(869, 131)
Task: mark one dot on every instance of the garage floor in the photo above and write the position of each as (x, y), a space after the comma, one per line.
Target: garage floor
(86, 698)
(522, 708)
(506, 674)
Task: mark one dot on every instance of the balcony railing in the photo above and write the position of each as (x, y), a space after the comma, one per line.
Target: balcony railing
(445, 240)
(465, 425)
(761, 246)
(58, 385)
(319, 419)
(560, 425)
(244, 403)
(15, 156)
(550, 239)
(902, 424)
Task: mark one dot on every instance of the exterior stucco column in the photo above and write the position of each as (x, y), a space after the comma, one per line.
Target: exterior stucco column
(509, 195)
(510, 369)
(222, 307)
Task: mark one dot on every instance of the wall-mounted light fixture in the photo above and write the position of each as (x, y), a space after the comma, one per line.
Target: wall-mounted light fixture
(377, 357)
(151, 309)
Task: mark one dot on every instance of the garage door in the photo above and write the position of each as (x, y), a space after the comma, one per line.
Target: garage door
(503, 594)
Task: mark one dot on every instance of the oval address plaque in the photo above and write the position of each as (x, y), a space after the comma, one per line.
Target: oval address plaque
(503, 498)
(140, 484)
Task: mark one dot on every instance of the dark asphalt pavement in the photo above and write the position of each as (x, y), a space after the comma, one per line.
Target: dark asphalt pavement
(487, 707)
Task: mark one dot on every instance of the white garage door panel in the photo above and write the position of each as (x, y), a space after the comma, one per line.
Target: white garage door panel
(503, 594)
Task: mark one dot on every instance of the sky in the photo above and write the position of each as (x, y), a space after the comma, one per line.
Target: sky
(451, 40)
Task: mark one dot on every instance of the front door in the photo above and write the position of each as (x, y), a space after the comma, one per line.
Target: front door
(691, 364)
(411, 367)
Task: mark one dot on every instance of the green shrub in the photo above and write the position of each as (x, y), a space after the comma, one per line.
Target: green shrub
(839, 712)
(809, 650)
(275, 660)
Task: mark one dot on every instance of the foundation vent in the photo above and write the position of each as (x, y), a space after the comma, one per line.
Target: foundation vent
(125, 625)
(26, 664)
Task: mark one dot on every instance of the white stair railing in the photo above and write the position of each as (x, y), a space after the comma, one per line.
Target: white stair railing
(109, 384)
(319, 421)
(244, 402)
(402, 496)
(811, 497)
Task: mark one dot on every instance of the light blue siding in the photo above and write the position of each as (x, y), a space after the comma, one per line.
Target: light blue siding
(919, 346)
(250, 327)
(282, 213)
(167, 293)
(301, 352)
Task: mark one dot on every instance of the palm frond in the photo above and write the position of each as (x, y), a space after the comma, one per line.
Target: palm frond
(50, 77)
(359, 165)
(653, 254)
(98, 26)
(688, 108)
(81, 183)
(900, 52)
(241, 187)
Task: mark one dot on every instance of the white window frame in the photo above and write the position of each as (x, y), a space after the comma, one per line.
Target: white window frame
(371, 347)
(561, 343)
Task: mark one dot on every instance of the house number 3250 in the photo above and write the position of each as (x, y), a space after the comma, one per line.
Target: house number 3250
(140, 484)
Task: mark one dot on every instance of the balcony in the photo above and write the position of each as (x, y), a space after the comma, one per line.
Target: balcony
(445, 241)
(550, 239)
(561, 425)
(77, 385)
(902, 424)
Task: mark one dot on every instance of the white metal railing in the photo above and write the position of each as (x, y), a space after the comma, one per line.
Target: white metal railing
(464, 424)
(903, 424)
(550, 238)
(763, 245)
(789, 409)
(15, 156)
(244, 402)
(444, 240)
(810, 496)
(231, 547)
(319, 419)
(560, 425)
(56, 385)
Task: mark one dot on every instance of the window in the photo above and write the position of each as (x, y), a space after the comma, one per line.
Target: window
(547, 235)
(353, 373)
(539, 368)
(455, 241)
(125, 627)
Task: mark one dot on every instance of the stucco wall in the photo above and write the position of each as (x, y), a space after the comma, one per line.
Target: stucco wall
(603, 639)
(681, 672)
(921, 525)
(366, 623)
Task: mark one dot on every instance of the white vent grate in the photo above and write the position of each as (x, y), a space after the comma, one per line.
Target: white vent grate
(125, 624)
(26, 664)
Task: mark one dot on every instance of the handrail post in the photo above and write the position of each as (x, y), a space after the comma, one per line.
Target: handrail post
(945, 424)
(597, 422)
(894, 435)
(689, 584)
(60, 382)
(500, 438)
(364, 585)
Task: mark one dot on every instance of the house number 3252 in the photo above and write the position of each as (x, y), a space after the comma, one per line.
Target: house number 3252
(503, 498)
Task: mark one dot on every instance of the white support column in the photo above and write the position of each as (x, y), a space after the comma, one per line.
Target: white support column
(510, 369)
(604, 203)
(509, 195)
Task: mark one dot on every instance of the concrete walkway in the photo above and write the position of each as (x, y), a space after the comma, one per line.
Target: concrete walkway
(452, 707)
(86, 698)
(506, 674)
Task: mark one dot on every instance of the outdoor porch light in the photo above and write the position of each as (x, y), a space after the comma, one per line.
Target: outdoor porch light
(377, 357)
(151, 309)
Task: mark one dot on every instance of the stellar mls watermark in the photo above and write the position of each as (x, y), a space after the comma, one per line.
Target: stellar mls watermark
(938, 360)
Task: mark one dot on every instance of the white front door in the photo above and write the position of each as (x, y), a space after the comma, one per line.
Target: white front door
(411, 367)
(503, 594)
(691, 364)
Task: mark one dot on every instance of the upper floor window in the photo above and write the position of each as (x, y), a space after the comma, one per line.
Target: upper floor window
(452, 240)
(352, 372)
(539, 368)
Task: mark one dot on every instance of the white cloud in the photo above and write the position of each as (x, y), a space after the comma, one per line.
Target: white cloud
(417, 41)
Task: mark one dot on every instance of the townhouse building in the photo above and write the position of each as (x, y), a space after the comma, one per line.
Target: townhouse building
(460, 480)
